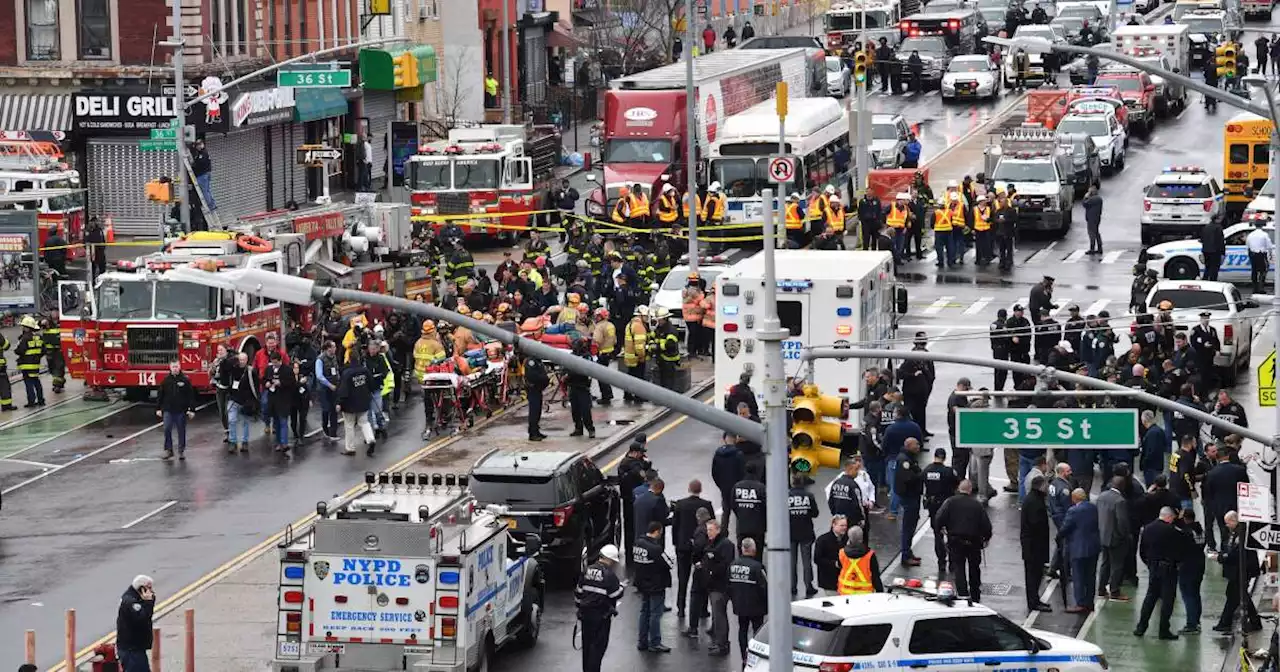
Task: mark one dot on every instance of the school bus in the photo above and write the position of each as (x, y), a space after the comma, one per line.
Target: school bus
(1246, 145)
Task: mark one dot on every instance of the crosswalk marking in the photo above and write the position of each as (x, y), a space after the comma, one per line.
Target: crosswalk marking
(1074, 257)
(1112, 257)
(979, 305)
(937, 306)
(1097, 306)
(1041, 254)
(1062, 305)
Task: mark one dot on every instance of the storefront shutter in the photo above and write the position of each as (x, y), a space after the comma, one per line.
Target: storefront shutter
(288, 179)
(117, 172)
(239, 173)
(380, 108)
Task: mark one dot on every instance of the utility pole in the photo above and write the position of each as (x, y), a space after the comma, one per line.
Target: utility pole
(691, 135)
(506, 61)
(1275, 290)
(861, 154)
(180, 113)
(778, 528)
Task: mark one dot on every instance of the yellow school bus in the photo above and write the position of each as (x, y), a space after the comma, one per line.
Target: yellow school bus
(1246, 148)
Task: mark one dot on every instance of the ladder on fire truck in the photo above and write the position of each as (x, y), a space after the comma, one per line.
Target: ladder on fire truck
(28, 155)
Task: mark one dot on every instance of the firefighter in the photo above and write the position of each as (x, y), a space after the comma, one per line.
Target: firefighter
(795, 220)
(668, 347)
(593, 254)
(668, 207)
(536, 248)
(30, 352)
(635, 349)
(6, 392)
(713, 210)
(428, 350)
(461, 266)
(622, 207)
(52, 338)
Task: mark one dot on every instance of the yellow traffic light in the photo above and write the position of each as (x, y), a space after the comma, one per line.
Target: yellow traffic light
(1225, 57)
(809, 431)
(160, 191)
(860, 67)
(405, 70)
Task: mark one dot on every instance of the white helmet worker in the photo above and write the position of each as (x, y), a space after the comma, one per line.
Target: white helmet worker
(793, 197)
(610, 553)
(830, 190)
(715, 187)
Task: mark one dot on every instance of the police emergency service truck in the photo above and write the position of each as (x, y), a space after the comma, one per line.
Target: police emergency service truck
(409, 575)
(825, 298)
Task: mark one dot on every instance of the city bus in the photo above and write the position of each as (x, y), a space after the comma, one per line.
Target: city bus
(816, 129)
(1245, 165)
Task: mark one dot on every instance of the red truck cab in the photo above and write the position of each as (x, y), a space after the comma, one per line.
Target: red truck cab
(1139, 95)
(644, 139)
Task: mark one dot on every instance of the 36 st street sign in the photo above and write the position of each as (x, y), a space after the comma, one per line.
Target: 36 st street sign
(1046, 428)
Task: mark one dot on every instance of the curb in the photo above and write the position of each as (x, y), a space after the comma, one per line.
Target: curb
(605, 447)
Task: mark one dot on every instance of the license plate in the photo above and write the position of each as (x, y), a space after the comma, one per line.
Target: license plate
(325, 647)
(752, 659)
(511, 523)
(289, 649)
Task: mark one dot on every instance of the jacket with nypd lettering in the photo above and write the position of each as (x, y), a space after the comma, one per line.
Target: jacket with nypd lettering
(133, 621)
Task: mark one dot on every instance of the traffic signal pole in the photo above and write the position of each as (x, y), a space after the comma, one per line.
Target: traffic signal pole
(691, 138)
(778, 526)
(180, 113)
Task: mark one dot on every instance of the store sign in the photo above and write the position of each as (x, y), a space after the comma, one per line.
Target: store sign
(126, 113)
(269, 106)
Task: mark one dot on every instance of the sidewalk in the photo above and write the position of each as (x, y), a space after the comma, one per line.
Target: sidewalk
(236, 616)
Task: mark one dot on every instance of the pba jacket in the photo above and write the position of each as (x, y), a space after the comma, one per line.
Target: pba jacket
(749, 507)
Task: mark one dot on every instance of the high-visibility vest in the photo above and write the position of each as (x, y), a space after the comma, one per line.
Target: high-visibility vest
(835, 218)
(795, 220)
(897, 218)
(709, 311)
(855, 575)
(639, 205)
(941, 220)
(633, 343)
(620, 210)
(982, 218)
(956, 211)
(697, 205)
(667, 209)
(691, 306)
(715, 207)
(818, 207)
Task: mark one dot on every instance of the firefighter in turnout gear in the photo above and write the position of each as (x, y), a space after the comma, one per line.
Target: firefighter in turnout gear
(597, 596)
(52, 337)
(461, 266)
(6, 392)
(668, 346)
(30, 352)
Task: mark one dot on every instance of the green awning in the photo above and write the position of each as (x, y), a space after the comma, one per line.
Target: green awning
(313, 104)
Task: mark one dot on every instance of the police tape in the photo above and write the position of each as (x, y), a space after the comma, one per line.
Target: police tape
(582, 218)
(131, 243)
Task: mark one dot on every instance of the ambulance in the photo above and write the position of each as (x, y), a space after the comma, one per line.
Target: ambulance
(407, 575)
(825, 298)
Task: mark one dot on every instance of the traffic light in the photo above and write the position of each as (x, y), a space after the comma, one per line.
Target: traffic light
(405, 70)
(860, 66)
(809, 431)
(160, 191)
(1225, 57)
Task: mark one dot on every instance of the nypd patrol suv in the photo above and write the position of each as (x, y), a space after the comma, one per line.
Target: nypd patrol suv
(1183, 260)
(899, 630)
(1179, 202)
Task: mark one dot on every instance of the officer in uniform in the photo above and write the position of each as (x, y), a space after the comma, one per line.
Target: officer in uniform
(748, 590)
(964, 520)
(748, 506)
(909, 486)
(597, 596)
(1205, 342)
(802, 509)
(535, 381)
(845, 497)
(6, 392)
(53, 350)
(1018, 327)
(652, 578)
(30, 351)
(1163, 548)
(1001, 345)
(940, 483)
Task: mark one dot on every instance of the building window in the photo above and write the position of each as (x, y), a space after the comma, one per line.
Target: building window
(42, 30)
(95, 30)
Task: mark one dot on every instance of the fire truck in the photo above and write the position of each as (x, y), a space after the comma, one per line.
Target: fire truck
(408, 575)
(492, 174)
(136, 319)
(844, 22)
(38, 169)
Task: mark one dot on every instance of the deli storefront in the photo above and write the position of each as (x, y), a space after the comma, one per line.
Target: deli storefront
(251, 133)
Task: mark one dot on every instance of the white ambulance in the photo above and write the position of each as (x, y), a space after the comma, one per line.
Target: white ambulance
(825, 298)
(408, 575)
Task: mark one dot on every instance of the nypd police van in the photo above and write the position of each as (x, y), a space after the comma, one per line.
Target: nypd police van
(408, 575)
(903, 630)
(1183, 259)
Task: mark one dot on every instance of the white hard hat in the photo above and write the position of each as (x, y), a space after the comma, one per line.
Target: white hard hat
(662, 313)
(611, 552)
(715, 186)
(903, 196)
(952, 184)
(794, 196)
(668, 187)
(830, 189)
(835, 198)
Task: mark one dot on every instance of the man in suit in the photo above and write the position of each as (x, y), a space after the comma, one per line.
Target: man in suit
(1234, 554)
(1083, 544)
(684, 522)
(1113, 531)
(1034, 537)
(651, 507)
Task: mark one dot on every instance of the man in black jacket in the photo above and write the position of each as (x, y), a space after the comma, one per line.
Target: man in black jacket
(916, 379)
(1234, 555)
(940, 482)
(826, 554)
(1162, 548)
(596, 597)
(968, 528)
(631, 474)
(749, 590)
(651, 506)
(1219, 492)
(884, 57)
(742, 393)
(355, 396)
(1019, 331)
(715, 562)
(728, 466)
(684, 522)
(909, 488)
(536, 380)
(652, 578)
(175, 404)
(802, 509)
(580, 395)
(133, 624)
(845, 497)
(1034, 537)
(749, 506)
(1213, 245)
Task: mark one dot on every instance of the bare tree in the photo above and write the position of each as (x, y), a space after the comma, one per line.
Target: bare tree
(453, 90)
(646, 29)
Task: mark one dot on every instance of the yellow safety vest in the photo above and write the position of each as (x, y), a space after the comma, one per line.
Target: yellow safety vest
(491, 86)
(697, 205)
(982, 218)
(667, 209)
(715, 207)
(897, 218)
(941, 220)
(818, 207)
(956, 210)
(618, 216)
(794, 219)
(855, 575)
(835, 218)
(639, 205)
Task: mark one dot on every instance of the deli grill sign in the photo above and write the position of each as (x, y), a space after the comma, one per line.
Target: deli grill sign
(126, 113)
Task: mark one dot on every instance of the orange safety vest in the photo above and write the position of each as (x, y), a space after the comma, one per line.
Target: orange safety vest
(691, 305)
(709, 311)
(697, 205)
(794, 219)
(982, 218)
(941, 220)
(639, 205)
(619, 216)
(818, 207)
(714, 211)
(897, 218)
(956, 211)
(835, 218)
(855, 575)
(667, 209)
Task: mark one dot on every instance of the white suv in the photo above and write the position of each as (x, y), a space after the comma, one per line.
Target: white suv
(1225, 305)
(1179, 202)
(903, 631)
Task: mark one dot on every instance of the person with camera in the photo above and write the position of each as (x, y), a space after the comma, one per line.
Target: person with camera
(243, 405)
(133, 624)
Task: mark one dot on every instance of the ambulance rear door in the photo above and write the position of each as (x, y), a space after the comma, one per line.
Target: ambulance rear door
(370, 599)
(796, 313)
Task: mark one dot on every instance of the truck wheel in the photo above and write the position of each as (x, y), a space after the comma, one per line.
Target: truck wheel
(1230, 375)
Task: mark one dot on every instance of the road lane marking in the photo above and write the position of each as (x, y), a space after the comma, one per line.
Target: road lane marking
(979, 305)
(139, 519)
(42, 465)
(1097, 306)
(665, 428)
(1042, 253)
(1062, 305)
(33, 414)
(1112, 257)
(1074, 257)
(1045, 596)
(76, 429)
(1098, 603)
(937, 306)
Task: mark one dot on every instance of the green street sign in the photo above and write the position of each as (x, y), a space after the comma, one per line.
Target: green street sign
(1046, 428)
(313, 79)
(158, 145)
(164, 133)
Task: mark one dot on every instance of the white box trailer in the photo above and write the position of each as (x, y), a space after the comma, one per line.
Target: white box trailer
(825, 298)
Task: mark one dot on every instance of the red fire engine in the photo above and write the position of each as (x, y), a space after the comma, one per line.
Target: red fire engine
(34, 176)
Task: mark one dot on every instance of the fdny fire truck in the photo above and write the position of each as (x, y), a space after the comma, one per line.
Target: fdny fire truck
(409, 575)
(34, 176)
(867, 21)
(491, 175)
(124, 331)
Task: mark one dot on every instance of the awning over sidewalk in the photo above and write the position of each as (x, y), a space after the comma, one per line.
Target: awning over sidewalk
(35, 112)
(563, 37)
(313, 104)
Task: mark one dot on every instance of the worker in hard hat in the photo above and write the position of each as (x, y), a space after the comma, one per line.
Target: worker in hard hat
(597, 595)
(794, 217)
(836, 217)
(691, 307)
(713, 213)
(622, 207)
(668, 207)
(638, 210)
(30, 351)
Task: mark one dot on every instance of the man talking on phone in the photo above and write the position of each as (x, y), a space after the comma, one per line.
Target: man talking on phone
(133, 624)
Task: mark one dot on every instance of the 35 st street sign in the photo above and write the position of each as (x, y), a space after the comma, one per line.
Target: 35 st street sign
(1046, 428)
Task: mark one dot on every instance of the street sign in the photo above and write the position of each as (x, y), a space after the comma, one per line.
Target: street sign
(1267, 381)
(158, 145)
(1262, 536)
(314, 79)
(309, 154)
(1253, 502)
(164, 133)
(1046, 428)
(782, 169)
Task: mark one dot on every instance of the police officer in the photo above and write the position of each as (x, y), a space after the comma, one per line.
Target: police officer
(845, 497)
(964, 520)
(802, 509)
(749, 592)
(631, 475)
(1074, 328)
(940, 482)
(580, 396)
(597, 596)
(909, 486)
(1001, 345)
(30, 351)
(133, 624)
(1206, 344)
(1162, 547)
(748, 506)
(652, 577)
(536, 380)
(1018, 327)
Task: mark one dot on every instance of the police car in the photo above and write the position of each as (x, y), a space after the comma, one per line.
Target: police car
(907, 630)
(1182, 259)
(1179, 202)
(1225, 306)
(670, 294)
